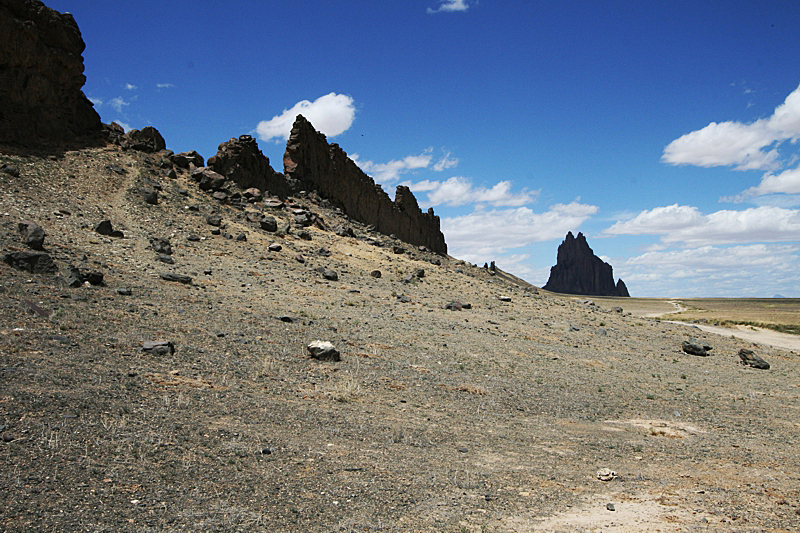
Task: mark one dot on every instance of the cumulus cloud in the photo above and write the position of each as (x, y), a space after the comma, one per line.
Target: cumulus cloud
(450, 5)
(746, 146)
(330, 114)
(687, 226)
(118, 104)
(130, 87)
(391, 171)
(164, 86)
(96, 101)
(490, 233)
(743, 270)
(460, 191)
(786, 182)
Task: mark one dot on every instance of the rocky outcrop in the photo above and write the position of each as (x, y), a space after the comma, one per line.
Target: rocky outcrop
(241, 161)
(579, 271)
(325, 168)
(41, 76)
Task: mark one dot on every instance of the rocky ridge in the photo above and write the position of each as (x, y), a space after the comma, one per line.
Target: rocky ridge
(579, 271)
(41, 76)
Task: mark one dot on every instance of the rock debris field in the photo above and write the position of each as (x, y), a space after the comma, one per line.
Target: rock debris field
(155, 375)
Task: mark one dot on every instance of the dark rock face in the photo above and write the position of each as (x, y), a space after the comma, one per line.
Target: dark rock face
(41, 76)
(579, 271)
(325, 168)
(241, 161)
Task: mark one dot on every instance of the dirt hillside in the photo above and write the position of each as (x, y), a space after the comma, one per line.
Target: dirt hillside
(500, 416)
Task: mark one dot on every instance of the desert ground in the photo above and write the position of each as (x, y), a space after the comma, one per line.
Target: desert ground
(525, 412)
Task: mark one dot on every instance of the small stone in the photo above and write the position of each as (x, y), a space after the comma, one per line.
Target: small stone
(149, 195)
(323, 351)
(241, 238)
(214, 220)
(193, 238)
(11, 170)
(216, 231)
(324, 252)
(504, 298)
(606, 474)
(104, 227)
(610, 507)
(402, 298)
(274, 247)
(398, 249)
(164, 258)
(159, 347)
(328, 274)
(220, 196)
(180, 278)
(161, 245)
(299, 258)
(306, 236)
(124, 291)
(375, 274)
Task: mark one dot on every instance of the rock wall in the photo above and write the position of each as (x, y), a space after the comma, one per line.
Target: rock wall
(579, 271)
(241, 161)
(41, 76)
(326, 169)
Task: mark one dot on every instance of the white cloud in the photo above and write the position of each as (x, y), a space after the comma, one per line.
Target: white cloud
(165, 86)
(96, 101)
(484, 235)
(118, 103)
(745, 270)
(391, 171)
(130, 87)
(330, 114)
(744, 146)
(787, 182)
(125, 126)
(445, 162)
(460, 191)
(686, 225)
(450, 5)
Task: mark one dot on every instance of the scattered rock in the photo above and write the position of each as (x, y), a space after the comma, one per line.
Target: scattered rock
(274, 247)
(124, 291)
(104, 227)
(32, 234)
(398, 249)
(35, 262)
(606, 474)
(180, 278)
(253, 194)
(749, 358)
(11, 170)
(148, 139)
(345, 231)
(214, 220)
(269, 224)
(241, 238)
(207, 179)
(402, 298)
(610, 507)
(457, 305)
(158, 347)
(696, 349)
(328, 274)
(193, 238)
(504, 298)
(299, 258)
(324, 252)
(34, 308)
(164, 258)
(149, 195)
(323, 351)
(220, 196)
(375, 274)
(306, 236)
(161, 245)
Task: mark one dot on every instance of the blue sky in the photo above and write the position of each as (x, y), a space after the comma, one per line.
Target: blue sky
(665, 131)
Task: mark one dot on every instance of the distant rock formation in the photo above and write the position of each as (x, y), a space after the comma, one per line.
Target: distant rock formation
(241, 161)
(579, 271)
(326, 169)
(41, 76)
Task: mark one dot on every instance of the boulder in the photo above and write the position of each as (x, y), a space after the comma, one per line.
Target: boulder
(180, 278)
(158, 347)
(32, 234)
(749, 358)
(693, 348)
(41, 76)
(35, 262)
(323, 351)
(104, 227)
(207, 179)
(148, 139)
(161, 245)
(579, 271)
